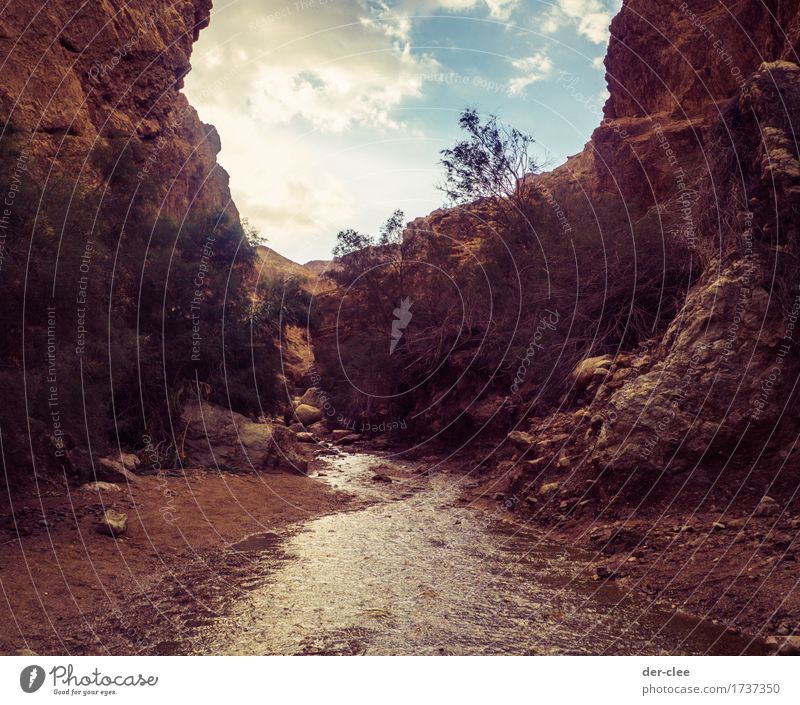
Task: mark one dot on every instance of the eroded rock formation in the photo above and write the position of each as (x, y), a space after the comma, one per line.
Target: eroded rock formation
(76, 76)
(698, 139)
(111, 170)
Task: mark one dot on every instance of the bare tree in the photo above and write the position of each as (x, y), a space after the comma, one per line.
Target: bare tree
(491, 163)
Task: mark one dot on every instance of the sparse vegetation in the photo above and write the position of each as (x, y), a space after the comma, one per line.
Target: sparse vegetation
(114, 315)
(491, 163)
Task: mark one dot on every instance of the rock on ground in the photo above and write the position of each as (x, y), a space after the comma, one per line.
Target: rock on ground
(129, 461)
(108, 470)
(216, 436)
(307, 414)
(100, 486)
(113, 523)
(587, 369)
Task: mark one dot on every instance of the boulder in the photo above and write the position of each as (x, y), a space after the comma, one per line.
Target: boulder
(340, 433)
(108, 470)
(309, 397)
(307, 414)
(521, 440)
(348, 439)
(113, 523)
(216, 436)
(129, 461)
(591, 368)
(320, 428)
(306, 437)
(767, 507)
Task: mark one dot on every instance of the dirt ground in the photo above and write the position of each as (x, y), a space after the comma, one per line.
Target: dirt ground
(58, 573)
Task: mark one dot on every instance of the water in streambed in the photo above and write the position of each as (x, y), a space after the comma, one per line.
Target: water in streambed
(410, 573)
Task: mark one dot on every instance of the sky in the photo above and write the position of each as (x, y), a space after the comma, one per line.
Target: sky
(332, 113)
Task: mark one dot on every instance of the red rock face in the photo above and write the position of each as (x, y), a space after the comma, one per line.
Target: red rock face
(671, 66)
(706, 93)
(90, 94)
(676, 57)
(78, 74)
(695, 158)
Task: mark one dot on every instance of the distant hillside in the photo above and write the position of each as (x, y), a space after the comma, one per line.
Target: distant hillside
(271, 264)
(319, 266)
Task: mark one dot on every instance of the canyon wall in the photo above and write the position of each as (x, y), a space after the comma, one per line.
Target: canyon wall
(698, 145)
(690, 181)
(710, 91)
(79, 75)
(122, 250)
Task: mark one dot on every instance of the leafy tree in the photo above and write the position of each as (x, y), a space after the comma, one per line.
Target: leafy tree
(350, 242)
(391, 232)
(252, 234)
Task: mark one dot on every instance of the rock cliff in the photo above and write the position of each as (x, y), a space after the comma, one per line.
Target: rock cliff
(691, 181)
(698, 141)
(122, 251)
(76, 76)
(714, 88)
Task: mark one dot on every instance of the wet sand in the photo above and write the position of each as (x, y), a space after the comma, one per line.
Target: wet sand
(61, 578)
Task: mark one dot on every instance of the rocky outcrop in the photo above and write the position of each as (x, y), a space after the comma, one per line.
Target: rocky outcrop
(107, 157)
(80, 78)
(726, 368)
(216, 437)
(681, 58)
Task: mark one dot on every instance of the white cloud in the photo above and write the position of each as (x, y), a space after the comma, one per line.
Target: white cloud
(502, 9)
(395, 26)
(590, 18)
(395, 18)
(323, 69)
(535, 68)
(332, 98)
(598, 63)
